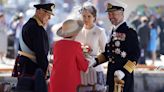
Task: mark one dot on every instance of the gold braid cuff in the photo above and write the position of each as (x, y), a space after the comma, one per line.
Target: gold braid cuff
(130, 66)
(101, 58)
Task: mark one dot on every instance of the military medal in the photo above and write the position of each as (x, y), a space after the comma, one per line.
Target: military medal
(117, 43)
(110, 60)
(117, 51)
(122, 36)
(115, 38)
(114, 34)
(123, 54)
(108, 45)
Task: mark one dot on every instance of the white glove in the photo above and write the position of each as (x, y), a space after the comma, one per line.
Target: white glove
(119, 74)
(91, 60)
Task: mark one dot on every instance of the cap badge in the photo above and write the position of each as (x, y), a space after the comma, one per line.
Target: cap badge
(109, 5)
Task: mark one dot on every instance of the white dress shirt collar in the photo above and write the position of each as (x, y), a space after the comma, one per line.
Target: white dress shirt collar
(115, 27)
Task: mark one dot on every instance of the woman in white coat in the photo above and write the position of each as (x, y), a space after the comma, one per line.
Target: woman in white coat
(94, 37)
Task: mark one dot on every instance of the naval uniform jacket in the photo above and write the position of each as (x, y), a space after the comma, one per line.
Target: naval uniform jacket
(122, 53)
(36, 38)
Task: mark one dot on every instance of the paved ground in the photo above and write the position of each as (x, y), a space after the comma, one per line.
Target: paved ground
(140, 86)
(9, 63)
(6, 66)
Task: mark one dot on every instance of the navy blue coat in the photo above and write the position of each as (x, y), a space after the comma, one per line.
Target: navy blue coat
(123, 46)
(36, 38)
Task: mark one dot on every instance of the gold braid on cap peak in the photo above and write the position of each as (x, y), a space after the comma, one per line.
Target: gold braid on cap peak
(130, 66)
(111, 7)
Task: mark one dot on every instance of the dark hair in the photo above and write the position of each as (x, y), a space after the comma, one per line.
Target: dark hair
(94, 13)
(91, 9)
(153, 25)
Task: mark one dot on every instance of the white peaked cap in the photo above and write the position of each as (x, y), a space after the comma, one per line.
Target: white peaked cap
(119, 3)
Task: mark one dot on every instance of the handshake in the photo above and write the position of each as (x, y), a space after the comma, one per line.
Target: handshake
(91, 60)
(92, 63)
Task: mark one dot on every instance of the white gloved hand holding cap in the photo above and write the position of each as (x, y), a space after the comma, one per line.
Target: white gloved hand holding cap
(120, 74)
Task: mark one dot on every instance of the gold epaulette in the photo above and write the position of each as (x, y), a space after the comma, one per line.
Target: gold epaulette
(101, 58)
(130, 66)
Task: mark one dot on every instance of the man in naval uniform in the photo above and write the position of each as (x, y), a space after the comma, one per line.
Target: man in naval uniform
(33, 45)
(122, 52)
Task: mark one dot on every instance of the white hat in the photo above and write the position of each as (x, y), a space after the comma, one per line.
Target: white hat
(113, 5)
(69, 28)
(144, 18)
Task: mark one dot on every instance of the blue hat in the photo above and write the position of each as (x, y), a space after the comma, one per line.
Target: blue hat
(47, 7)
(114, 5)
